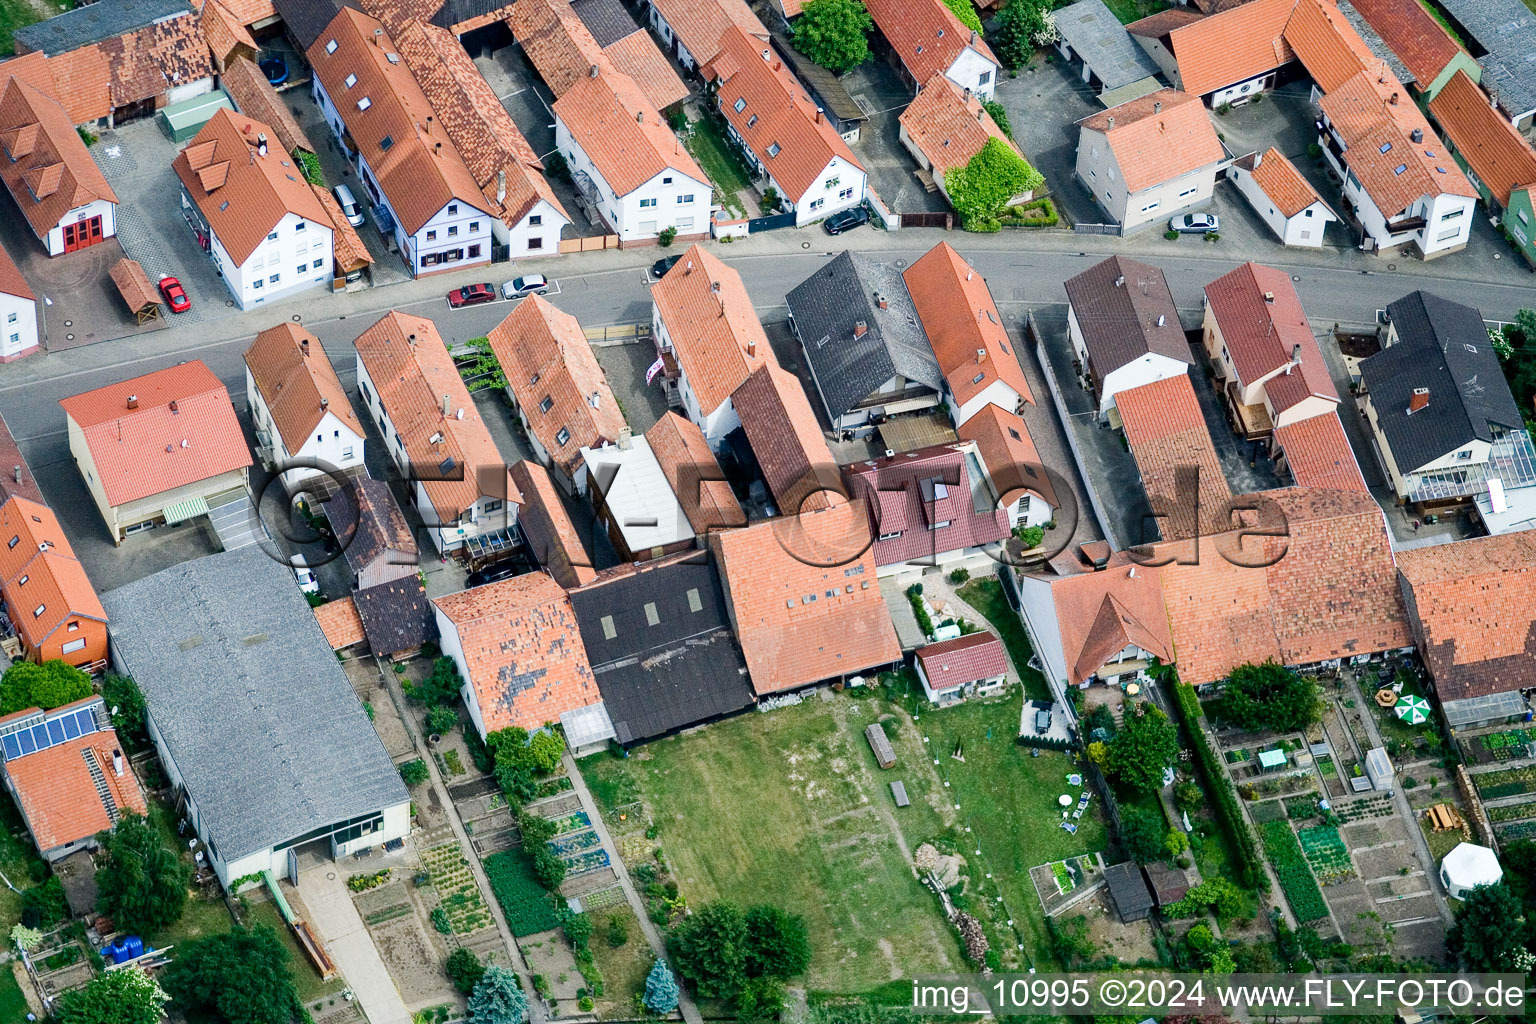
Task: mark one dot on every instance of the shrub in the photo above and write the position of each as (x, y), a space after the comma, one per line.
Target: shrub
(966, 13)
(464, 969)
(959, 576)
(86, 135)
(998, 115)
(414, 773)
(1247, 864)
(549, 869)
(50, 685)
(667, 237)
(618, 931)
(556, 167)
(677, 119)
(1030, 537)
(994, 175)
(1314, 150)
(440, 920)
(1213, 236)
(442, 719)
(1171, 235)
(310, 165)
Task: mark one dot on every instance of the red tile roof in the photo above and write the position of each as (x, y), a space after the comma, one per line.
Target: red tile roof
(340, 623)
(43, 583)
(554, 540)
(223, 32)
(11, 281)
(1501, 157)
(523, 651)
(623, 135)
(713, 326)
(1156, 26)
(1327, 45)
(776, 111)
(347, 248)
(183, 431)
(637, 56)
(1233, 46)
(16, 477)
(1263, 325)
(1473, 607)
(804, 598)
(1009, 455)
(699, 24)
(48, 171)
(243, 194)
(556, 42)
(962, 321)
(962, 660)
(1099, 614)
(1318, 453)
(1411, 32)
(57, 794)
(408, 362)
(925, 35)
(254, 96)
(1166, 431)
(298, 383)
(787, 441)
(1158, 137)
(545, 357)
(909, 495)
(1279, 179)
(126, 69)
(948, 127)
(694, 474)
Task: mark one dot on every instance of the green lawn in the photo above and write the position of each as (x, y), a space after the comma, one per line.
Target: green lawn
(19, 863)
(720, 162)
(1134, 10)
(624, 968)
(13, 1005)
(986, 596)
(305, 978)
(14, 14)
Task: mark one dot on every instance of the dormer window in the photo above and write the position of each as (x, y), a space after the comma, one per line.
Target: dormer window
(752, 121)
(562, 437)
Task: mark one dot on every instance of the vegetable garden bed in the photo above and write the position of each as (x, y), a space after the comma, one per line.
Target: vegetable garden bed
(572, 823)
(1512, 812)
(591, 860)
(525, 902)
(1326, 852)
(1290, 866)
(1064, 881)
(577, 843)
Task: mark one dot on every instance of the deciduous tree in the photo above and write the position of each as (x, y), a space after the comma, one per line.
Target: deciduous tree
(49, 685)
(1490, 930)
(832, 33)
(1142, 833)
(125, 996)
(237, 977)
(709, 949)
(1144, 748)
(142, 883)
(777, 943)
(1270, 696)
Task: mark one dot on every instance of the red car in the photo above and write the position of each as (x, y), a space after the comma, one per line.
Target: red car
(471, 295)
(175, 295)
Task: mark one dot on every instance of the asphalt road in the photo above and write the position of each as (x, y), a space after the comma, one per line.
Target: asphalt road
(1022, 275)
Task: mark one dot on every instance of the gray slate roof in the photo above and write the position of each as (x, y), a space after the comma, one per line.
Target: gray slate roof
(827, 307)
(105, 19)
(1129, 890)
(247, 695)
(607, 20)
(1117, 303)
(1098, 37)
(307, 19)
(1375, 43)
(1443, 346)
(1507, 30)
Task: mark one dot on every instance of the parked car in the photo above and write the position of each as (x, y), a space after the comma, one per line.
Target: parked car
(472, 295)
(1043, 721)
(1195, 223)
(847, 220)
(174, 294)
(494, 573)
(348, 203)
(304, 576)
(528, 284)
(660, 267)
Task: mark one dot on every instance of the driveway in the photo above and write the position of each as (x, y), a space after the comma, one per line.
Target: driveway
(1044, 104)
(335, 921)
(876, 88)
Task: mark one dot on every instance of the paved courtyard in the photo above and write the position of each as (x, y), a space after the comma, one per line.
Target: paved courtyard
(876, 88)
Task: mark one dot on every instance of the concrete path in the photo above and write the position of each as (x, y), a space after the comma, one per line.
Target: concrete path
(647, 926)
(337, 923)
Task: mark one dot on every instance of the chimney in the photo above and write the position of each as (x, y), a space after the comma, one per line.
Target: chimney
(16, 472)
(1392, 99)
(1269, 298)
(376, 34)
(174, 407)
(860, 328)
(447, 406)
(1419, 401)
(967, 94)
(133, 401)
(818, 115)
(1162, 319)
(592, 71)
(261, 143)
(1416, 136)
(437, 149)
(881, 301)
(973, 35)
(325, 403)
(981, 355)
(117, 763)
(751, 348)
(639, 117)
(777, 65)
(304, 346)
(890, 453)
(714, 286)
(1120, 281)
(1296, 354)
(1258, 158)
(1111, 122)
(501, 186)
(1157, 107)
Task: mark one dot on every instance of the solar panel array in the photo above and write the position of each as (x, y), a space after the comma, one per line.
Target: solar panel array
(49, 733)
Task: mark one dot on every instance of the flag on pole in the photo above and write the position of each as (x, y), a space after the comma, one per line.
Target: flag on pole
(653, 370)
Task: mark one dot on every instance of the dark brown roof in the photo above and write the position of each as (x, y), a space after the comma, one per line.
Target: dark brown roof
(397, 617)
(16, 479)
(548, 528)
(370, 516)
(1125, 310)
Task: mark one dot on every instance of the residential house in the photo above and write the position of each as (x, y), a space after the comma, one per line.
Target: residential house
(1102, 619)
(803, 599)
(259, 765)
(930, 507)
(1124, 327)
(123, 59)
(926, 38)
(659, 640)
(1445, 425)
(425, 200)
(1284, 200)
(253, 212)
(560, 38)
(691, 29)
(945, 127)
(342, 626)
(1498, 160)
(633, 500)
(16, 477)
(457, 480)
(164, 448)
(18, 312)
(57, 186)
(1503, 33)
(866, 349)
(631, 49)
(549, 535)
(66, 771)
(708, 340)
(627, 162)
(1228, 57)
(1429, 54)
(786, 441)
(1267, 363)
(785, 136)
(374, 536)
(1113, 65)
(1010, 465)
(300, 410)
(694, 475)
(51, 606)
(826, 90)
(396, 616)
(1181, 475)
(560, 394)
(974, 665)
(967, 334)
(517, 646)
(1470, 604)
(1150, 158)
(1399, 185)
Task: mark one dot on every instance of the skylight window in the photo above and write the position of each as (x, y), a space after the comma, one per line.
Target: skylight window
(364, 103)
(773, 149)
(740, 104)
(1385, 146)
(393, 58)
(1399, 169)
(330, 46)
(386, 142)
(350, 81)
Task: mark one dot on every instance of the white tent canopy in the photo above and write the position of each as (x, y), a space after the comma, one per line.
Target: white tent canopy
(1469, 866)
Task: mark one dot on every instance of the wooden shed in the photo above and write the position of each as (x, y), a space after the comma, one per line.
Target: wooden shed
(138, 294)
(1129, 892)
(885, 754)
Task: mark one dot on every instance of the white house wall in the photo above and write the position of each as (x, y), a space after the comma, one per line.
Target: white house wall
(295, 249)
(1148, 369)
(106, 210)
(18, 326)
(671, 199)
(974, 72)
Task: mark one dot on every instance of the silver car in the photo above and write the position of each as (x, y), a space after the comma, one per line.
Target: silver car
(528, 284)
(348, 203)
(1195, 223)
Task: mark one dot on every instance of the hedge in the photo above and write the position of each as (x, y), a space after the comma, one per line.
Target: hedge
(1247, 862)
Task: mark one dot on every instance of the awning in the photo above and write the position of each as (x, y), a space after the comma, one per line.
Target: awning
(184, 510)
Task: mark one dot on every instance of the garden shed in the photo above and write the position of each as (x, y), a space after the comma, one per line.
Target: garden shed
(899, 794)
(1128, 890)
(885, 754)
(1468, 866)
(1169, 884)
(1272, 760)
(133, 285)
(1378, 767)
